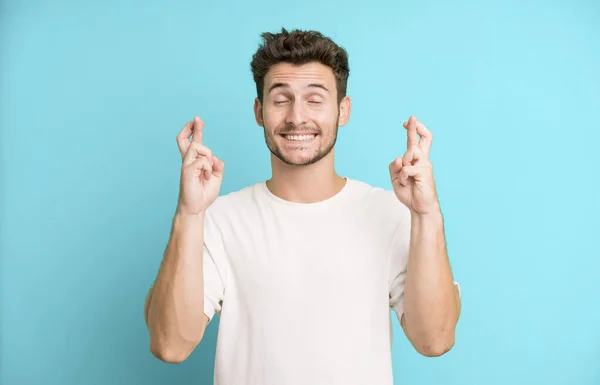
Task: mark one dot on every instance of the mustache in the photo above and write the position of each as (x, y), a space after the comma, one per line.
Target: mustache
(289, 130)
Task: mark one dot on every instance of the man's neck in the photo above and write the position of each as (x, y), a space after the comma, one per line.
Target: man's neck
(305, 184)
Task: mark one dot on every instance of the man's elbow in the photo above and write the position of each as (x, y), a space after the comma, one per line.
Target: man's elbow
(174, 349)
(437, 346)
(171, 354)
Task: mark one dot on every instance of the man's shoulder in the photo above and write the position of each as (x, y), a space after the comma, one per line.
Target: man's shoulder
(377, 195)
(381, 202)
(235, 200)
(370, 190)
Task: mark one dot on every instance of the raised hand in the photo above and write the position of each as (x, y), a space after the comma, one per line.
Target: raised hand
(201, 171)
(412, 174)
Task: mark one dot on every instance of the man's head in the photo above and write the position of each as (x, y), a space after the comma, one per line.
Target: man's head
(301, 79)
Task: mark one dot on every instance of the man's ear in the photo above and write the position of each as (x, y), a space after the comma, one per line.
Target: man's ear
(258, 112)
(345, 109)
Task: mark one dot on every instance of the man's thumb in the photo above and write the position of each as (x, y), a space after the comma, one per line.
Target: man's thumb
(218, 166)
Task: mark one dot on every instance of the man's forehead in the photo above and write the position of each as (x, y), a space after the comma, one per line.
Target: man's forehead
(309, 73)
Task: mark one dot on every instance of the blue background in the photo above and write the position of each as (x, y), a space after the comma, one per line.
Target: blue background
(94, 93)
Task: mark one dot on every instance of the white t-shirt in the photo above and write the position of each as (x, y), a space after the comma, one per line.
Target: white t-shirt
(304, 291)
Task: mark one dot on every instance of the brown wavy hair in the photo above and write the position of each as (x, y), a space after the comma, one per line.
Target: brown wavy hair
(299, 47)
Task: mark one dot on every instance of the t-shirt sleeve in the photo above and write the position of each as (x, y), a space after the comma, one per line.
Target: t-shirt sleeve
(398, 261)
(214, 268)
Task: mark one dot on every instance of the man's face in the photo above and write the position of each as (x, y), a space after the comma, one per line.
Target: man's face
(300, 114)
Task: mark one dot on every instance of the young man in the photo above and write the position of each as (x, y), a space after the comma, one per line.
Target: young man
(303, 268)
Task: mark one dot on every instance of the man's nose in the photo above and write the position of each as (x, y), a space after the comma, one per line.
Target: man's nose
(296, 114)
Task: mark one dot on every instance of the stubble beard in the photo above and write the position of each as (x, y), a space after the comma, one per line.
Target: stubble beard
(320, 153)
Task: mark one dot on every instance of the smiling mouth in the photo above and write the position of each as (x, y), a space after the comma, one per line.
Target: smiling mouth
(299, 137)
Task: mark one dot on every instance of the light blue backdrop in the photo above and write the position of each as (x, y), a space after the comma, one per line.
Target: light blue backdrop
(94, 93)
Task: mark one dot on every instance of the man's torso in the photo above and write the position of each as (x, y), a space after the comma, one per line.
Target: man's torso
(306, 287)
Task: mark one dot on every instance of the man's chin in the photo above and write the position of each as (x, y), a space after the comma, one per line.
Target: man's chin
(299, 158)
(296, 160)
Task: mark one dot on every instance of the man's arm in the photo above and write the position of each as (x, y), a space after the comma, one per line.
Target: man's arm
(431, 299)
(174, 307)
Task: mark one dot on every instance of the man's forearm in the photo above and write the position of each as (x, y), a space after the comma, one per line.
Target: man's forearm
(431, 306)
(175, 304)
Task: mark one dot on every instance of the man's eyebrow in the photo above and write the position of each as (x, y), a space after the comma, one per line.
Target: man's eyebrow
(278, 85)
(318, 85)
(286, 85)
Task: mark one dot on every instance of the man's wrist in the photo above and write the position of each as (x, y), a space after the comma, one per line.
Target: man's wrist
(433, 213)
(183, 218)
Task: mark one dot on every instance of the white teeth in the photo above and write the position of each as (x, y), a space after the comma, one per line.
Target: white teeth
(299, 137)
